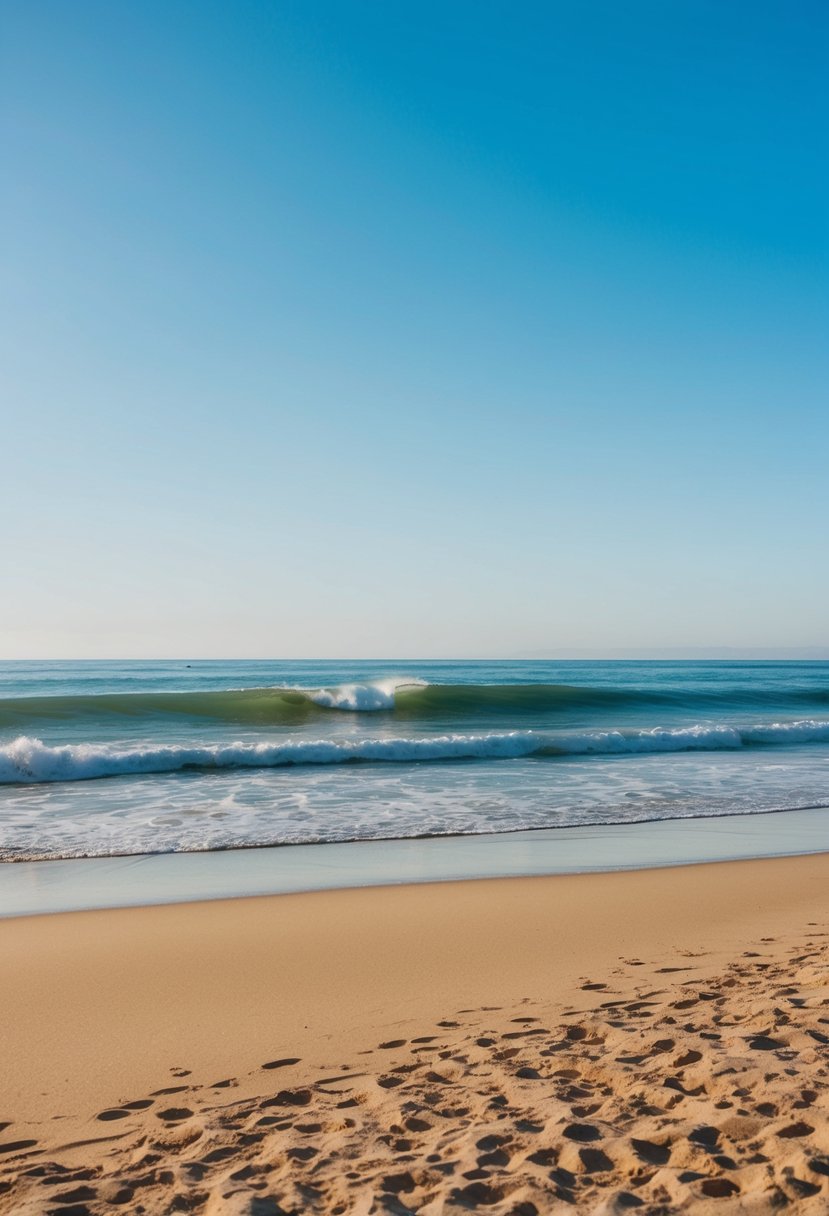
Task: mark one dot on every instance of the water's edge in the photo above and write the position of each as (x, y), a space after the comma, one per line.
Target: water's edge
(102, 759)
(35, 887)
(10, 858)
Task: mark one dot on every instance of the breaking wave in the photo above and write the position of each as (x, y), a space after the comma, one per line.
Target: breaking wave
(405, 699)
(29, 760)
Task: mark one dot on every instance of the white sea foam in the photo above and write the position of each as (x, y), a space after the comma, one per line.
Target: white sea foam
(30, 760)
(361, 697)
(687, 738)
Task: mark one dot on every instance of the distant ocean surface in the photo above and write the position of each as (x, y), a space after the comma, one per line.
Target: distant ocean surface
(104, 758)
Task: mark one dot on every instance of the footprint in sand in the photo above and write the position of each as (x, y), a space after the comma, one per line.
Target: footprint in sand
(544, 1157)
(437, 1078)
(582, 1132)
(174, 1114)
(763, 1042)
(719, 1188)
(476, 1194)
(497, 1157)
(14, 1146)
(289, 1097)
(595, 1160)
(77, 1195)
(303, 1153)
(705, 1136)
(651, 1152)
(413, 1124)
(125, 1110)
(795, 1130)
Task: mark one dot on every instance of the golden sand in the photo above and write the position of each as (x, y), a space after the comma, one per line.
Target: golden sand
(654, 1042)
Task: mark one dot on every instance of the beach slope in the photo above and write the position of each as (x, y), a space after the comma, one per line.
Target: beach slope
(654, 1041)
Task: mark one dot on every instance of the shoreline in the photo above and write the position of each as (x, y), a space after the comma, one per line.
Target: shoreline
(135, 880)
(19, 859)
(237, 1051)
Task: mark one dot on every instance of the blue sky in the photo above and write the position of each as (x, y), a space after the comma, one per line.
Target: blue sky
(413, 329)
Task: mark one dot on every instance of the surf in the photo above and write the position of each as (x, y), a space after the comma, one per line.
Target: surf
(30, 760)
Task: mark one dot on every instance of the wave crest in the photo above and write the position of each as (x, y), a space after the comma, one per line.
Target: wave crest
(407, 699)
(361, 698)
(30, 760)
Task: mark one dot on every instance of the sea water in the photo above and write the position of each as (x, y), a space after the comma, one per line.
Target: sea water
(105, 758)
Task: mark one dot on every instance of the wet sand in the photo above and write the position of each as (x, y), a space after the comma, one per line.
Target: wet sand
(70, 885)
(654, 1041)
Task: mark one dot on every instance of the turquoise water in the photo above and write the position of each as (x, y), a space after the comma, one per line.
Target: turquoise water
(106, 758)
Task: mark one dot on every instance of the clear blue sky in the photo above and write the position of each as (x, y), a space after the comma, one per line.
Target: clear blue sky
(392, 329)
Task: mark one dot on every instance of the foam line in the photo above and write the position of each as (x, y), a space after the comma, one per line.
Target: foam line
(29, 759)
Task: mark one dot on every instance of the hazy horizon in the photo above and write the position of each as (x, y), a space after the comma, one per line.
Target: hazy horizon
(700, 654)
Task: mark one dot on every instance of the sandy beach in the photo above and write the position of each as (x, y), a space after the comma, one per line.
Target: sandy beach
(654, 1041)
(414, 665)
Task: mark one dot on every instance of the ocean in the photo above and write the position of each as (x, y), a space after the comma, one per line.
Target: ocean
(112, 758)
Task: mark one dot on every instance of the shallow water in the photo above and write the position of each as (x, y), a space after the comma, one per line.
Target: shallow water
(108, 758)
